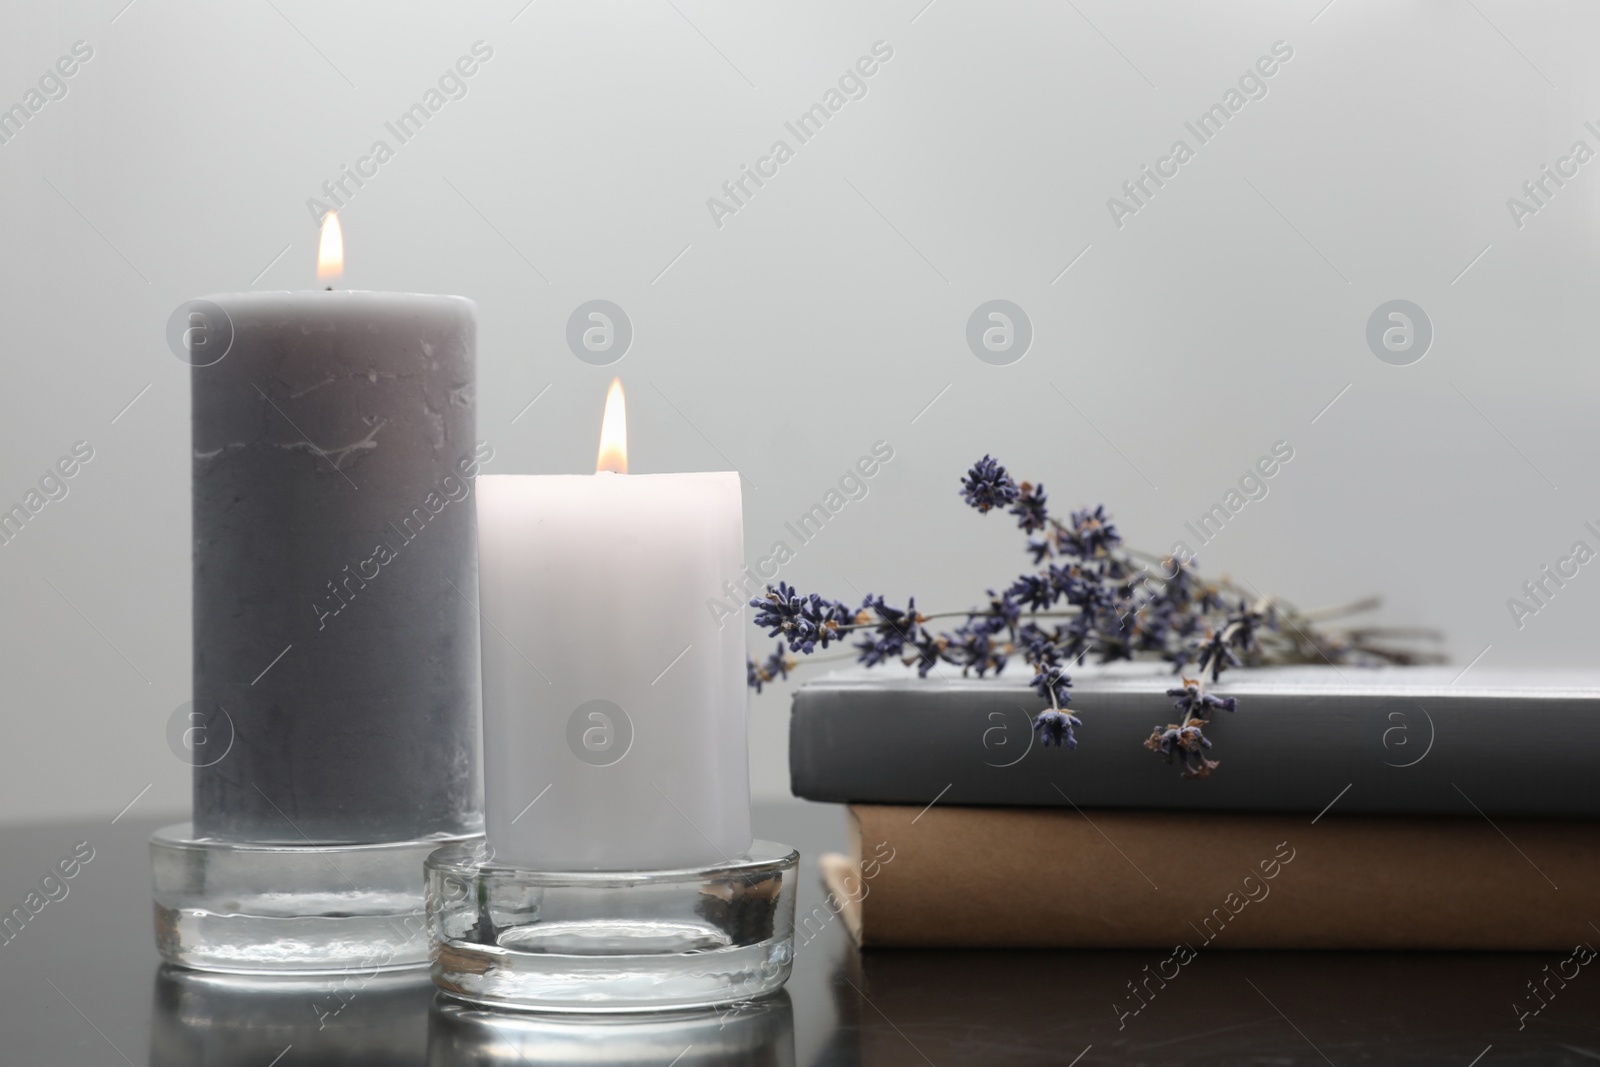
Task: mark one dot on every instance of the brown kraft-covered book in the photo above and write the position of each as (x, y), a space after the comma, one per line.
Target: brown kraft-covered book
(1064, 878)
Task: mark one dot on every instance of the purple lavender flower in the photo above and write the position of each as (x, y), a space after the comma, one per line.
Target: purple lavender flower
(974, 645)
(1116, 641)
(1055, 728)
(774, 666)
(1214, 654)
(1184, 745)
(1039, 645)
(1029, 507)
(930, 650)
(1051, 684)
(1244, 622)
(1075, 636)
(1194, 703)
(804, 621)
(1003, 607)
(987, 485)
(1178, 580)
(1091, 533)
(1033, 592)
(894, 629)
(1079, 587)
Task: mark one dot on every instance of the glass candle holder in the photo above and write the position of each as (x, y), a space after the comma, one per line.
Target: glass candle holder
(611, 941)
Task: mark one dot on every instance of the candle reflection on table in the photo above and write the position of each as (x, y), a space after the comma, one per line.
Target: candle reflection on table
(756, 1034)
(358, 1019)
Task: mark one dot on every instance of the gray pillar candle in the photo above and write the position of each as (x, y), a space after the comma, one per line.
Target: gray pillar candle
(334, 460)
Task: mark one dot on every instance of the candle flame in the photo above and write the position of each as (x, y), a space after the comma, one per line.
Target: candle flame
(614, 432)
(330, 249)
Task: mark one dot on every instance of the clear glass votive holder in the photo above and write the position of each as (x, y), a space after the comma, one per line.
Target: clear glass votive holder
(611, 941)
(245, 907)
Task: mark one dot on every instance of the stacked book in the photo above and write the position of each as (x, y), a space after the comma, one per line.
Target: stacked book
(1352, 808)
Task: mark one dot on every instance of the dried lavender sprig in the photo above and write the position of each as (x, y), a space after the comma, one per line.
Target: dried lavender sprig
(1113, 607)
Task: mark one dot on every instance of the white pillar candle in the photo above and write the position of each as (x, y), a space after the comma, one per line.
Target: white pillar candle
(613, 702)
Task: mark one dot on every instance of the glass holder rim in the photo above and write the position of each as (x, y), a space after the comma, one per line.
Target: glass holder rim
(475, 856)
(181, 835)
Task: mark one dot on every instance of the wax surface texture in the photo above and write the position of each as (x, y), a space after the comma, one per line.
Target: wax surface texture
(334, 454)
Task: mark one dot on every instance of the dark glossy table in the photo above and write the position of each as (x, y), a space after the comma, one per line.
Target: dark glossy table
(81, 985)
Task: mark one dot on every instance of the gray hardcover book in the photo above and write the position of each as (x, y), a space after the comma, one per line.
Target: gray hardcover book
(1398, 740)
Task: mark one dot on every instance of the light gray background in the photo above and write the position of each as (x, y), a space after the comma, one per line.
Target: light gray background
(831, 311)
